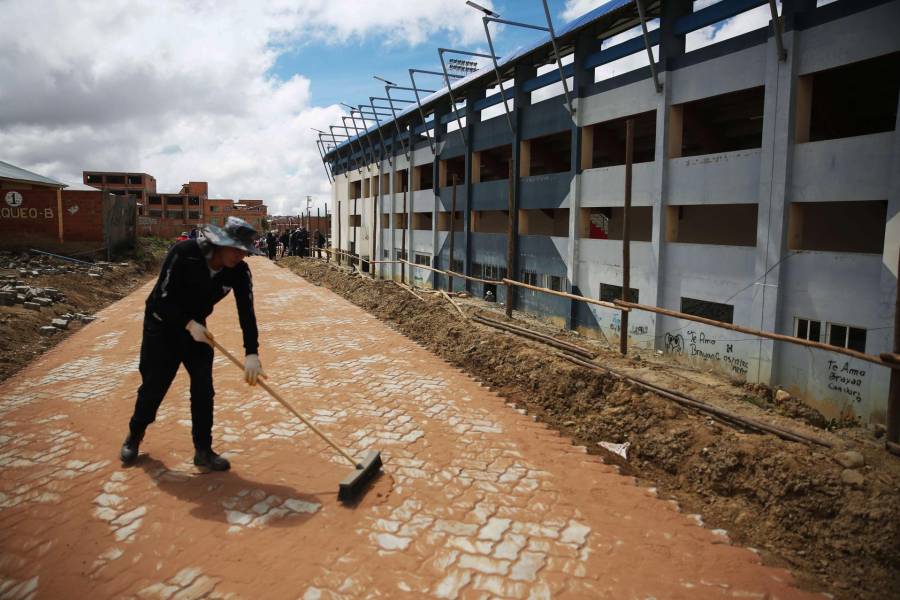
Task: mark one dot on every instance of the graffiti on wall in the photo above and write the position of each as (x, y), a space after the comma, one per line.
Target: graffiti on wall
(616, 326)
(845, 379)
(699, 345)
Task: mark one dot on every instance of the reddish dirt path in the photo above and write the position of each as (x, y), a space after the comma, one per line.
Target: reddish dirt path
(476, 501)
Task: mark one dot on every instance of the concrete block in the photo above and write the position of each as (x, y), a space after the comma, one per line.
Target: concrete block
(60, 323)
(48, 330)
(33, 305)
(20, 298)
(42, 301)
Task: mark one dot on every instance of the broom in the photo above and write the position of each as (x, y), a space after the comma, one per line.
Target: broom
(364, 471)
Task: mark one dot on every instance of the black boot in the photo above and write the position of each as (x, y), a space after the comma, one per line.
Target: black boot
(209, 459)
(129, 451)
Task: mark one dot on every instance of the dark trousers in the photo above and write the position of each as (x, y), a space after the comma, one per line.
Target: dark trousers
(163, 350)
(272, 249)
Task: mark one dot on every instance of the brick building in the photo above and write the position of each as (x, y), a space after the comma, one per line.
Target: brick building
(169, 214)
(37, 212)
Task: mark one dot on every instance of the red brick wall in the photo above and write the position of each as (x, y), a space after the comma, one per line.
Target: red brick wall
(36, 220)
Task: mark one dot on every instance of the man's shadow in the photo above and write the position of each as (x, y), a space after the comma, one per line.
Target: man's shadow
(231, 494)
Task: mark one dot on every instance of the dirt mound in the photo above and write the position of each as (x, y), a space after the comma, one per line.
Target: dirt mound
(79, 292)
(793, 502)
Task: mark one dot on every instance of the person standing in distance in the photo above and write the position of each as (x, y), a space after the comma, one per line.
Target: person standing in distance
(194, 277)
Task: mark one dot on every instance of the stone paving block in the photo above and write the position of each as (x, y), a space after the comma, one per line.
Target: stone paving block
(475, 500)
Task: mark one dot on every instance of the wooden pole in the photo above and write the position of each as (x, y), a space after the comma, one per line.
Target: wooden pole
(403, 239)
(339, 258)
(510, 241)
(452, 232)
(318, 224)
(626, 235)
(355, 227)
(893, 412)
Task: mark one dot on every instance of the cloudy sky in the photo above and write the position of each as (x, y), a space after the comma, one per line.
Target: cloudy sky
(224, 92)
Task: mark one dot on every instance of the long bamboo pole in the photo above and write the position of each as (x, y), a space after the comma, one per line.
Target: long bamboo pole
(562, 294)
(403, 237)
(764, 334)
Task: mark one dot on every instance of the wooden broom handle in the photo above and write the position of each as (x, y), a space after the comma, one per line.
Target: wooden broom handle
(284, 402)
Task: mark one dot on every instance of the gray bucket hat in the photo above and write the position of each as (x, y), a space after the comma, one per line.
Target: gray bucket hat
(237, 233)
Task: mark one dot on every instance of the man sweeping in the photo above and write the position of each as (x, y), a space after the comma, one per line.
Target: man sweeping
(195, 276)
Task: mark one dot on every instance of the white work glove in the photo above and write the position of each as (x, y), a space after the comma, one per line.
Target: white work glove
(198, 332)
(252, 369)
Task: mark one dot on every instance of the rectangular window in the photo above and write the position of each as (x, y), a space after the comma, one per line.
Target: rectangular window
(847, 336)
(807, 329)
(529, 277)
(555, 283)
(404, 255)
(194, 215)
(423, 259)
(154, 200)
(155, 213)
(135, 180)
(386, 253)
(610, 292)
(709, 310)
(456, 265)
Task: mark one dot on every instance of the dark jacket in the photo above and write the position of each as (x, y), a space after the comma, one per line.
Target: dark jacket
(185, 291)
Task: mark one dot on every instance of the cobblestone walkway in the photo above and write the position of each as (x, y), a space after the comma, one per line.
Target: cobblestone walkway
(477, 500)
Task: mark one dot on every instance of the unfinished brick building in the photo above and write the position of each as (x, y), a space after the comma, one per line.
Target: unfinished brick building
(766, 181)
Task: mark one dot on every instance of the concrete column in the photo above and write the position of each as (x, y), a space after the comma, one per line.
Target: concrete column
(581, 159)
(439, 111)
(471, 177)
(521, 158)
(391, 174)
(775, 174)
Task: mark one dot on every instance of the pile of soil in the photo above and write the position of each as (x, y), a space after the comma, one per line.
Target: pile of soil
(796, 504)
(20, 340)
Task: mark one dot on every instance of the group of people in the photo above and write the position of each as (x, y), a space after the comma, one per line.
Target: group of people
(294, 242)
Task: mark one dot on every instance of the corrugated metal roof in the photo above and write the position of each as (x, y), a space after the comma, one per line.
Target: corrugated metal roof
(8, 171)
(573, 25)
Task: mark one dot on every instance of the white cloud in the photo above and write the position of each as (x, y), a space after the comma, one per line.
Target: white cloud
(182, 90)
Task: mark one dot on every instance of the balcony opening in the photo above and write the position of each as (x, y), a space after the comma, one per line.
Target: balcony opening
(154, 200)
(631, 62)
(603, 144)
(554, 89)
(605, 223)
(739, 24)
(422, 221)
(423, 177)
(96, 179)
(856, 99)
(366, 187)
(355, 190)
(491, 164)
(544, 221)
(385, 184)
(490, 221)
(135, 180)
(444, 221)
(385, 220)
(708, 310)
(401, 181)
(450, 168)
(838, 226)
(720, 224)
(547, 154)
(115, 179)
(401, 220)
(724, 123)
(194, 200)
